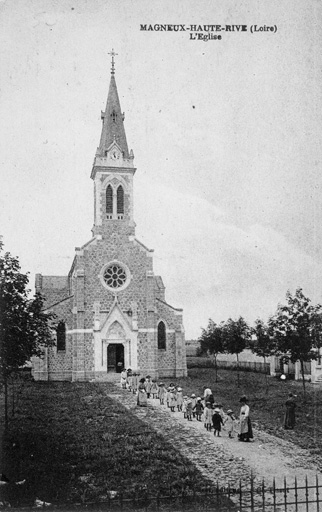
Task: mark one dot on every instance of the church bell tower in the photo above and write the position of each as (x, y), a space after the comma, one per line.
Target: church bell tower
(113, 171)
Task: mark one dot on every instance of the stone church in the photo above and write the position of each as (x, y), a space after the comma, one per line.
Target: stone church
(111, 309)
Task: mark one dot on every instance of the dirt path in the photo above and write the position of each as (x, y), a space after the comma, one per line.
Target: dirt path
(227, 461)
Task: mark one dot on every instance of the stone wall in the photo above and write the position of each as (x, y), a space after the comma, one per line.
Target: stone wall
(57, 365)
(52, 288)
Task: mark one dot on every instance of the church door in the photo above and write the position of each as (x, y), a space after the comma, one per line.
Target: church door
(115, 357)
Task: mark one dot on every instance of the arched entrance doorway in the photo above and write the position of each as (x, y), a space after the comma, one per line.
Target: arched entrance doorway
(115, 348)
(115, 357)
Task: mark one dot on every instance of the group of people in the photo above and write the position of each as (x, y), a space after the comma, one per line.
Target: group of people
(204, 409)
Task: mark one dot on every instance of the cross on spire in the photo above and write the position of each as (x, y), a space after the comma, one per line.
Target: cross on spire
(112, 53)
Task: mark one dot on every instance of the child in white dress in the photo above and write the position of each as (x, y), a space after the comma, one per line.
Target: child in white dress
(162, 393)
(208, 413)
(230, 422)
(179, 399)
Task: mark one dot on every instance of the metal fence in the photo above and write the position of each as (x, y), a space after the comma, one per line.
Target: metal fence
(252, 498)
(253, 366)
(305, 497)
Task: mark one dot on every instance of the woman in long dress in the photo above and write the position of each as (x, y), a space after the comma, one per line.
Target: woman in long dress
(289, 422)
(246, 432)
(142, 397)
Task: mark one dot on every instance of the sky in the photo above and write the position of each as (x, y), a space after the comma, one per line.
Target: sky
(226, 136)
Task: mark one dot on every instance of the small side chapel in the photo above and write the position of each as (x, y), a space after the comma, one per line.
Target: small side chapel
(111, 309)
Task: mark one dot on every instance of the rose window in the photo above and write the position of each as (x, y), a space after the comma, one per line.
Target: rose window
(114, 276)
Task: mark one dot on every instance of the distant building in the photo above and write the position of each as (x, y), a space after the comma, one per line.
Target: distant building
(111, 307)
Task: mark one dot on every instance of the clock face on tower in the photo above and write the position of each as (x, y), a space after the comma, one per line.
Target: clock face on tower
(115, 154)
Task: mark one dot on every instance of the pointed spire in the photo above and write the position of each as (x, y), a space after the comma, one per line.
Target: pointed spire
(113, 127)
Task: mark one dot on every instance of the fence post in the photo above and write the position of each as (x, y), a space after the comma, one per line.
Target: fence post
(306, 495)
(285, 494)
(182, 497)
(317, 493)
(194, 495)
(263, 494)
(274, 494)
(252, 492)
(295, 493)
(206, 497)
(217, 493)
(240, 495)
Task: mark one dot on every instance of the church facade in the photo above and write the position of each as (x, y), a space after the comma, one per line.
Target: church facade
(111, 309)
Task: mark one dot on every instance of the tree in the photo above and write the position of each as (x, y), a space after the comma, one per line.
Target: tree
(236, 336)
(264, 344)
(211, 342)
(24, 326)
(296, 327)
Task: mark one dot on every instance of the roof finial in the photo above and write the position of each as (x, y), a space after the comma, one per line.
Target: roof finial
(112, 53)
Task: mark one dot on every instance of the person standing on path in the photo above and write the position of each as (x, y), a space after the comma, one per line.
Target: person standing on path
(154, 389)
(246, 432)
(148, 385)
(168, 396)
(135, 381)
(289, 421)
(129, 379)
(184, 406)
(230, 421)
(217, 422)
(162, 393)
(193, 404)
(173, 398)
(208, 416)
(179, 399)
(189, 409)
(199, 408)
(206, 393)
(123, 378)
(142, 398)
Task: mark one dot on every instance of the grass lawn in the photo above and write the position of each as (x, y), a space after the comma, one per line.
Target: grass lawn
(267, 408)
(73, 444)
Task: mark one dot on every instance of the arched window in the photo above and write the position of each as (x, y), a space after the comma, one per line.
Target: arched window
(109, 200)
(161, 336)
(61, 336)
(120, 200)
